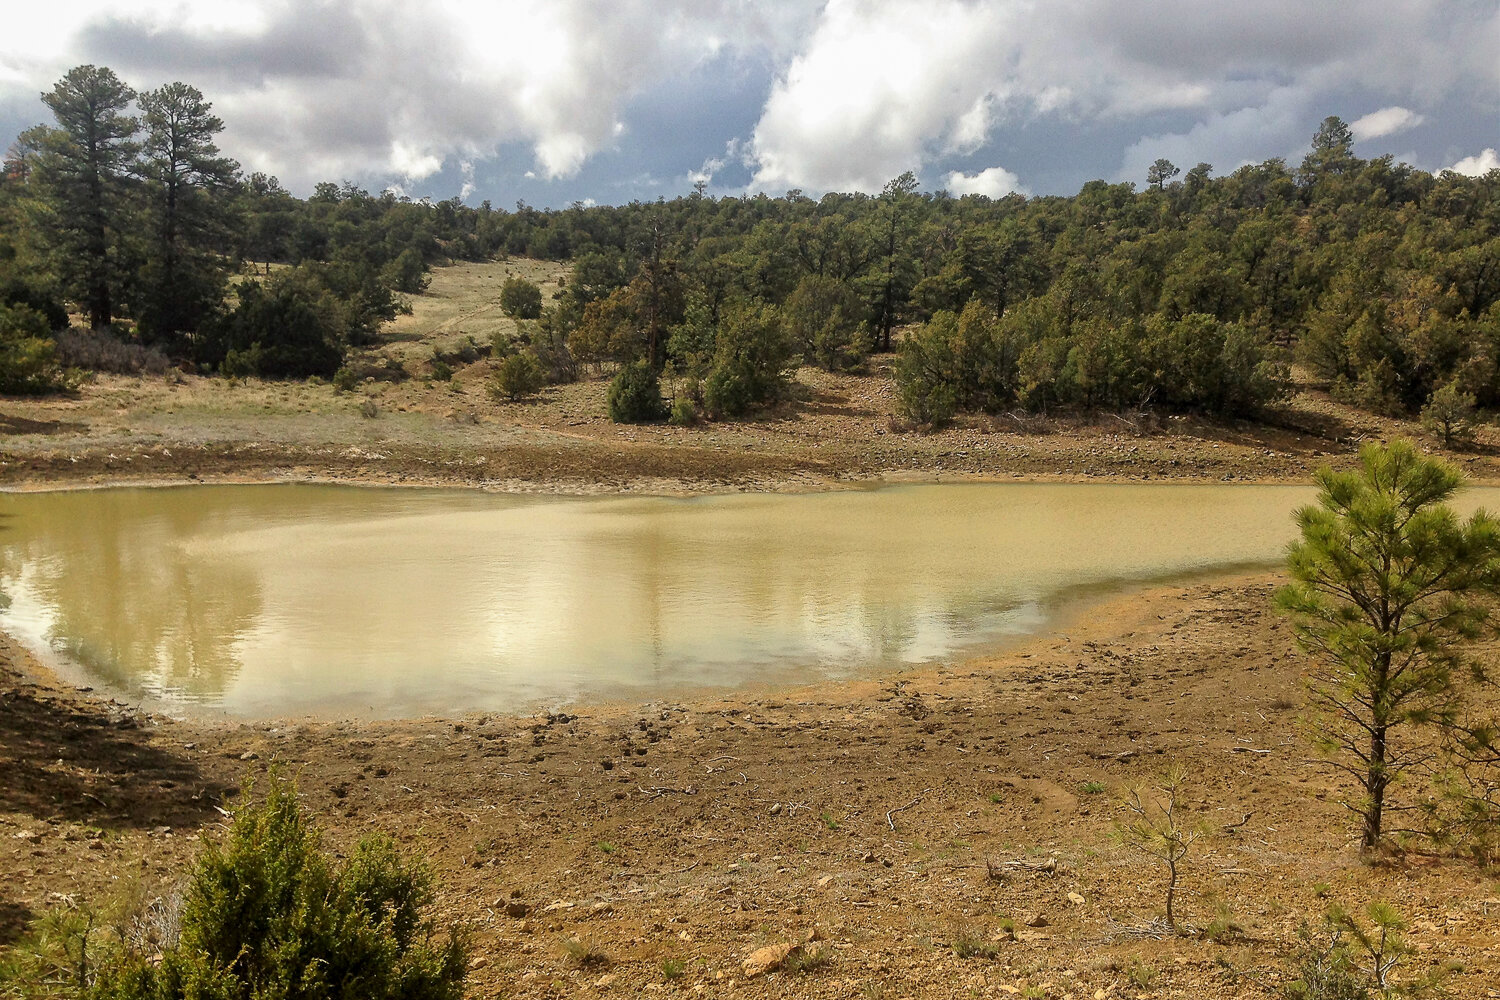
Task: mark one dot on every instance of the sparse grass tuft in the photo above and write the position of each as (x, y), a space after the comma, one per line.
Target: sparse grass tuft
(1091, 788)
(1223, 928)
(969, 942)
(829, 821)
(804, 961)
(584, 953)
(673, 968)
(1141, 975)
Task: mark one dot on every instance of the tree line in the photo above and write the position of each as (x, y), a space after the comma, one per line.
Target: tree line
(1191, 294)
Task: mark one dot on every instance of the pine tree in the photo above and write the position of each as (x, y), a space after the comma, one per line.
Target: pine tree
(187, 182)
(83, 166)
(1389, 585)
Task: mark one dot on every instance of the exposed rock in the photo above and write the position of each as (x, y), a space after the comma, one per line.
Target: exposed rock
(768, 958)
(1038, 921)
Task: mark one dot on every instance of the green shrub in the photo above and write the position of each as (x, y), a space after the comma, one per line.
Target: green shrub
(28, 365)
(407, 273)
(289, 327)
(1449, 414)
(519, 375)
(752, 360)
(635, 395)
(268, 916)
(729, 390)
(684, 413)
(520, 299)
(824, 319)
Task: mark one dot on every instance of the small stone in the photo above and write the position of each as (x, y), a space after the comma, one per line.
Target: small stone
(1076, 899)
(776, 809)
(825, 881)
(1038, 921)
(599, 909)
(869, 857)
(249, 755)
(605, 981)
(526, 927)
(478, 963)
(767, 959)
(517, 909)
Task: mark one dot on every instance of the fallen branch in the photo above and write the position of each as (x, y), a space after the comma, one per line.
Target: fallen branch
(1248, 750)
(888, 816)
(657, 791)
(1235, 826)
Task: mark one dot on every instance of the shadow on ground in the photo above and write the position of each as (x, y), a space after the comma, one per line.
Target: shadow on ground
(14, 919)
(21, 425)
(76, 762)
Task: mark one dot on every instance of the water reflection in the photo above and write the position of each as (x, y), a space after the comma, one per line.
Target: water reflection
(268, 600)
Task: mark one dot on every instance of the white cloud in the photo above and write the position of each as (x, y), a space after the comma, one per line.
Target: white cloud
(1227, 141)
(313, 90)
(1478, 166)
(1386, 121)
(887, 85)
(860, 90)
(876, 86)
(992, 182)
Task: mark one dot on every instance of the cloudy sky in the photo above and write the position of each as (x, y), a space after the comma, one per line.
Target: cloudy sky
(556, 101)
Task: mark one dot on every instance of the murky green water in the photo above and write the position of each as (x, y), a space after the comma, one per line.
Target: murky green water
(277, 600)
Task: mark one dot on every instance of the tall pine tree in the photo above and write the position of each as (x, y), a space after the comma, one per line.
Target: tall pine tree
(84, 170)
(187, 206)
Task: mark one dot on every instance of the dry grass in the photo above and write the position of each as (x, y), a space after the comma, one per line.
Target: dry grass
(463, 301)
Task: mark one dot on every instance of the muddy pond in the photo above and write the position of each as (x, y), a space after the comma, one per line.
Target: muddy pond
(292, 600)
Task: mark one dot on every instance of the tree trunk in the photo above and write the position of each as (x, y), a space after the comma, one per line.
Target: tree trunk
(1172, 897)
(1375, 782)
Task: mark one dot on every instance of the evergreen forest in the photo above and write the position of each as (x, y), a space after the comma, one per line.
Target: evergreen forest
(126, 232)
